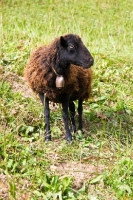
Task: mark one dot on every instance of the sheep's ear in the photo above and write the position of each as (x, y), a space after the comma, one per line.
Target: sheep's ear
(63, 42)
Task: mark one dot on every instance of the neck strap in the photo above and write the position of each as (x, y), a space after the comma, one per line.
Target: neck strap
(55, 72)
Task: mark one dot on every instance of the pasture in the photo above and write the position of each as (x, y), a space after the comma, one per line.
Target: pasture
(98, 165)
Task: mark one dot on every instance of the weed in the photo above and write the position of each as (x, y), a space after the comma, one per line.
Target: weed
(120, 178)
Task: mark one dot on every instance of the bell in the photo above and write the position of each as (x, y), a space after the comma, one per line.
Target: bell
(60, 82)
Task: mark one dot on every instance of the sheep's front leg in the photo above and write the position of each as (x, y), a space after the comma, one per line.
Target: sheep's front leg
(65, 105)
(80, 110)
(72, 116)
(45, 102)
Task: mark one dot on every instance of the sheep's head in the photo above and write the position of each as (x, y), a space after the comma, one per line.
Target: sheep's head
(73, 51)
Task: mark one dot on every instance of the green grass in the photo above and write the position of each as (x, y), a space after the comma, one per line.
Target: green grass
(32, 168)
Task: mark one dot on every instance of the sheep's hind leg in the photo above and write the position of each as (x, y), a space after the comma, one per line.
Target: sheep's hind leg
(45, 102)
(80, 110)
(65, 105)
(72, 116)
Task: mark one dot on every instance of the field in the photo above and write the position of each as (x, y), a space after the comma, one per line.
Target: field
(98, 165)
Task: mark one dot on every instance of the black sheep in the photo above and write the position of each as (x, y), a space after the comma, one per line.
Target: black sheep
(61, 73)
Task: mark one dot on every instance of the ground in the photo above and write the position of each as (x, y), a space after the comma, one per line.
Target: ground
(102, 157)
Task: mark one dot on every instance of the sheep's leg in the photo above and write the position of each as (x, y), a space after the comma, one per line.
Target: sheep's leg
(72, 116)
(45, 102)
(80, 110)
(41, 96)
(65, 105)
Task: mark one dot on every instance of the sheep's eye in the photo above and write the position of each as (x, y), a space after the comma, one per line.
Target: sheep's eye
(71, 48)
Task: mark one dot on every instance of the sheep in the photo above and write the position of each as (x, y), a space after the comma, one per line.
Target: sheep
(61, 73)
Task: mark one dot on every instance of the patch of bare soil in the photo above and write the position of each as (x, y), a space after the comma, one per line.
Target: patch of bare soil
(80, 172)
(18, 84)
(4, 188)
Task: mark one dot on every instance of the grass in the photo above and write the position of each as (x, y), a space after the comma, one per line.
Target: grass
(32, 169)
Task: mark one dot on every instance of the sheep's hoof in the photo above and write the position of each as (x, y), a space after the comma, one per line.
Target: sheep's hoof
(47, 136)
(47, 139)
(69, 138)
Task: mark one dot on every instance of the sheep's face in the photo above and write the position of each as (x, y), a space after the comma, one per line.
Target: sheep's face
(73, 51)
